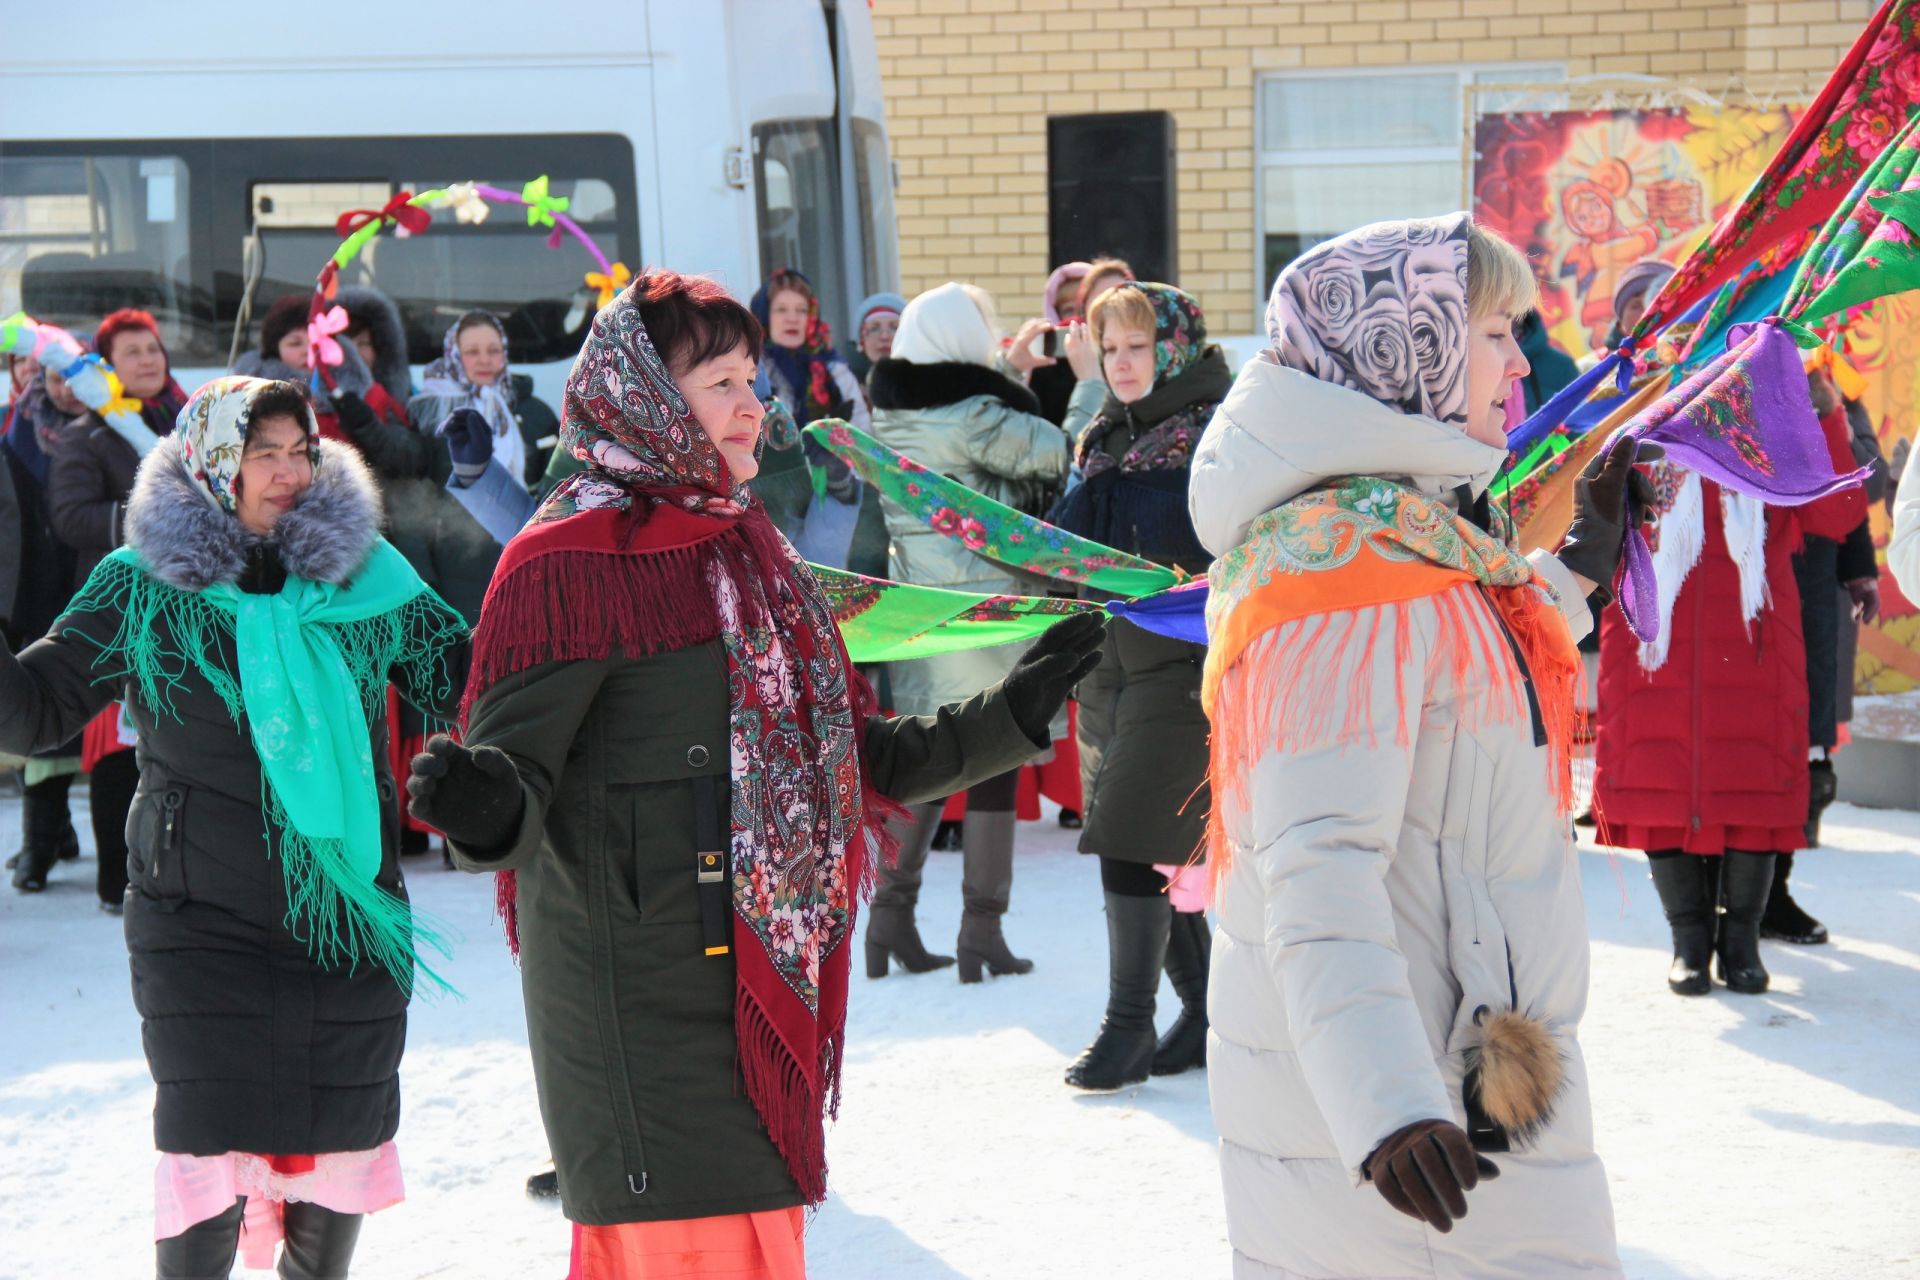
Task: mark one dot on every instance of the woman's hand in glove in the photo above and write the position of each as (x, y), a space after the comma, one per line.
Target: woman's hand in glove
(1043, 679)
(473, 796)
(1609, 498)
(469, 439)
(1426, 1169)
(355, 414)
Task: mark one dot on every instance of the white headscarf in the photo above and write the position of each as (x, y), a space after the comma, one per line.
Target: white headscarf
(948, 324)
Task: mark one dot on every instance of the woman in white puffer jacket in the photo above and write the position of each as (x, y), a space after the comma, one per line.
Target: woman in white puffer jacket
(1391, 689)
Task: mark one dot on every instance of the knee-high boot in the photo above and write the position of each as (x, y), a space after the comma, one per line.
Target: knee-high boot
(891, 930)
(1189, 951)
(319, 1243)
(986, 886)
(1122, 1053)
(204, 1251)
(1685, 884)
(46, 832)
(1745, 881)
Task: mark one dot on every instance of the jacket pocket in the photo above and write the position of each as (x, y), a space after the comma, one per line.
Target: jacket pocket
(680, 810)
(158, 845)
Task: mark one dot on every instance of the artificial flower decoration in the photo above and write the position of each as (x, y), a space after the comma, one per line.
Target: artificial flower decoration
(465, 201)
(610, 282)
(540, 206)
(410, 218)
(118, 401)
(321, 346)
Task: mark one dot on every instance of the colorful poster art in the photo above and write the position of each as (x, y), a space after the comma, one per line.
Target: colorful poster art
(1589, 194)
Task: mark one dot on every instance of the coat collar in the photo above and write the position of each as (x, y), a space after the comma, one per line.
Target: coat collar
(186, 542)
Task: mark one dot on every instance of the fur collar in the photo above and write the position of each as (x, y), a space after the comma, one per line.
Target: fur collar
(902, 384)
(187, 542)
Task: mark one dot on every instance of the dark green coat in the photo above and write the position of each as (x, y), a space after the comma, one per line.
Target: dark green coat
(630, 1023)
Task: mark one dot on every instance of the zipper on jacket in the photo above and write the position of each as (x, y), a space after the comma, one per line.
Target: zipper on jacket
(1526, 674)
(169, 828)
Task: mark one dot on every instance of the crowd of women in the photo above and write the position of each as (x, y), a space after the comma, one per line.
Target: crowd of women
(684, 788)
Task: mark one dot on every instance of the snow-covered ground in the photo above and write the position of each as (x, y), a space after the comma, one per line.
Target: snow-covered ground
(1746, 1137)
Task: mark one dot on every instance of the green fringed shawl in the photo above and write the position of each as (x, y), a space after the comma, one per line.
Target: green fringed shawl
(313, 667)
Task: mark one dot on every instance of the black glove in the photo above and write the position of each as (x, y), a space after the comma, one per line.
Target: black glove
(354, 413)
(473, 796)
(469, 440)
(1426, 1169)
(1042, 680)
(1609, 498)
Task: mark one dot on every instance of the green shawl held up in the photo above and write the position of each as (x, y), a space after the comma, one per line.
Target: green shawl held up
(313, 664)
(987, 528)
(894, 621)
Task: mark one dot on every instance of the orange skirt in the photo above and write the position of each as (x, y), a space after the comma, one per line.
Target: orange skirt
(769, 1245)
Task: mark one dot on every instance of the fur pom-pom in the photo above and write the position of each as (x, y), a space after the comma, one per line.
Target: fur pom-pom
(1518, 1073)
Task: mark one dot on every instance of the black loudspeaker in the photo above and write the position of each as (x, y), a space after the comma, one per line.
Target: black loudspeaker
(1110, 191)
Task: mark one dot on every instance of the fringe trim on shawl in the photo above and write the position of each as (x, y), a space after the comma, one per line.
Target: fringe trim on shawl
(1309, 683)
(794, 1104)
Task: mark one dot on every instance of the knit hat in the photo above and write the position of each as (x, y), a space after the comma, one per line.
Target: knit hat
(288, 312)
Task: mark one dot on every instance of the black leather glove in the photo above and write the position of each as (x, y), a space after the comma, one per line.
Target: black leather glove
(1609, 498)
(1426, 1169)
(1043, 679)
(473, 796)
(354, 413)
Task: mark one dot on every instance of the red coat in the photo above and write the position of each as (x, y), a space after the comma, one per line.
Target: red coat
(1709, 752)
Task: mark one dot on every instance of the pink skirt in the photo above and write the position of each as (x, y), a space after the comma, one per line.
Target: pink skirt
(188, 1190)
(768, 1245)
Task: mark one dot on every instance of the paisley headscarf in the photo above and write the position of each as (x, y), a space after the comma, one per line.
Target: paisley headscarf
(807, 370)
(1179, 343)
(1383, 311)
(656, 546)
(213, 434)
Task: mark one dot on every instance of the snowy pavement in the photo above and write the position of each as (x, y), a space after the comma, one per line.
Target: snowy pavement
(1746, 1137)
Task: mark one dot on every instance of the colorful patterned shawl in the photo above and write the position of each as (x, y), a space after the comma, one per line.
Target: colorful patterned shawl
(653, 548)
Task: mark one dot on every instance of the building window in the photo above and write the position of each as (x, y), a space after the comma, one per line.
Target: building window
(1339, 151)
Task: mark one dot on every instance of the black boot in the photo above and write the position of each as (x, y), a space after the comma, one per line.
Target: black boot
(1684, 882)
(891, 930)
(204, 1251)
(1745, 881)
(1821, 792)
(1189, 949)
(1785, 920)
(319, 1244)
(986, 886)
(1122, 1053)
(44, 822)
(544, 1185)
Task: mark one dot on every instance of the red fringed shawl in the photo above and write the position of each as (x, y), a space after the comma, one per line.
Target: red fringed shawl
(652, 578)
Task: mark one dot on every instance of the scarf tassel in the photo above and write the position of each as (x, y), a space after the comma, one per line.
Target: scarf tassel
(1279, 697)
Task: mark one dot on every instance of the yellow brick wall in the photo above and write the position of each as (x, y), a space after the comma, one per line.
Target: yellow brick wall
(970, 84)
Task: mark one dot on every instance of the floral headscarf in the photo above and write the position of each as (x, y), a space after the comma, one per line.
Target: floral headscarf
(1179, 330)
(625, 417)
(1179, 344)
(447, 377)
(807, 370)
(1382, 311)
(213, 435)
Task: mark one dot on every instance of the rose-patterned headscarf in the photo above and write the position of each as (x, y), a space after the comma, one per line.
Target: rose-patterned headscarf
(213, 434)
(1383, 311)
(656, 546)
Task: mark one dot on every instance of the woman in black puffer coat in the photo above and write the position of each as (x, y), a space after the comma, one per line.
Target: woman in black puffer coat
(270, 940)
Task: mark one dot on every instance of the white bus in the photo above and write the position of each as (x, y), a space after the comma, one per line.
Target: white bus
(192, 159)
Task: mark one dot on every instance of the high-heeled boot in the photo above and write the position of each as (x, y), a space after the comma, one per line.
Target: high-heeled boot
(986, 885)
(1745, 881)
(1685, 884)
(891, 930)
(1785, 919)
(1189, 950)
(204, 1251)
(319, 1242)
(1122, 1052)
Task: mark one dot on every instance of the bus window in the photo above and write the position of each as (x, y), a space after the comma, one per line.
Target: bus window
(797, 193)
(171, 226)
(873, 178)
(82, 235)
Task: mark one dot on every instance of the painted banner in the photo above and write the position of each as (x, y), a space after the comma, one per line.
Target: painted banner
(1587, 194)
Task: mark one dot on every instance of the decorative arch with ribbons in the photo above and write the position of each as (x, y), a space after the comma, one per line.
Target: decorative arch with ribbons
(411, 214)
(91, 378)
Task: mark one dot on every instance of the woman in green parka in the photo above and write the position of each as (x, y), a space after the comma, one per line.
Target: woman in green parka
(683, 782)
